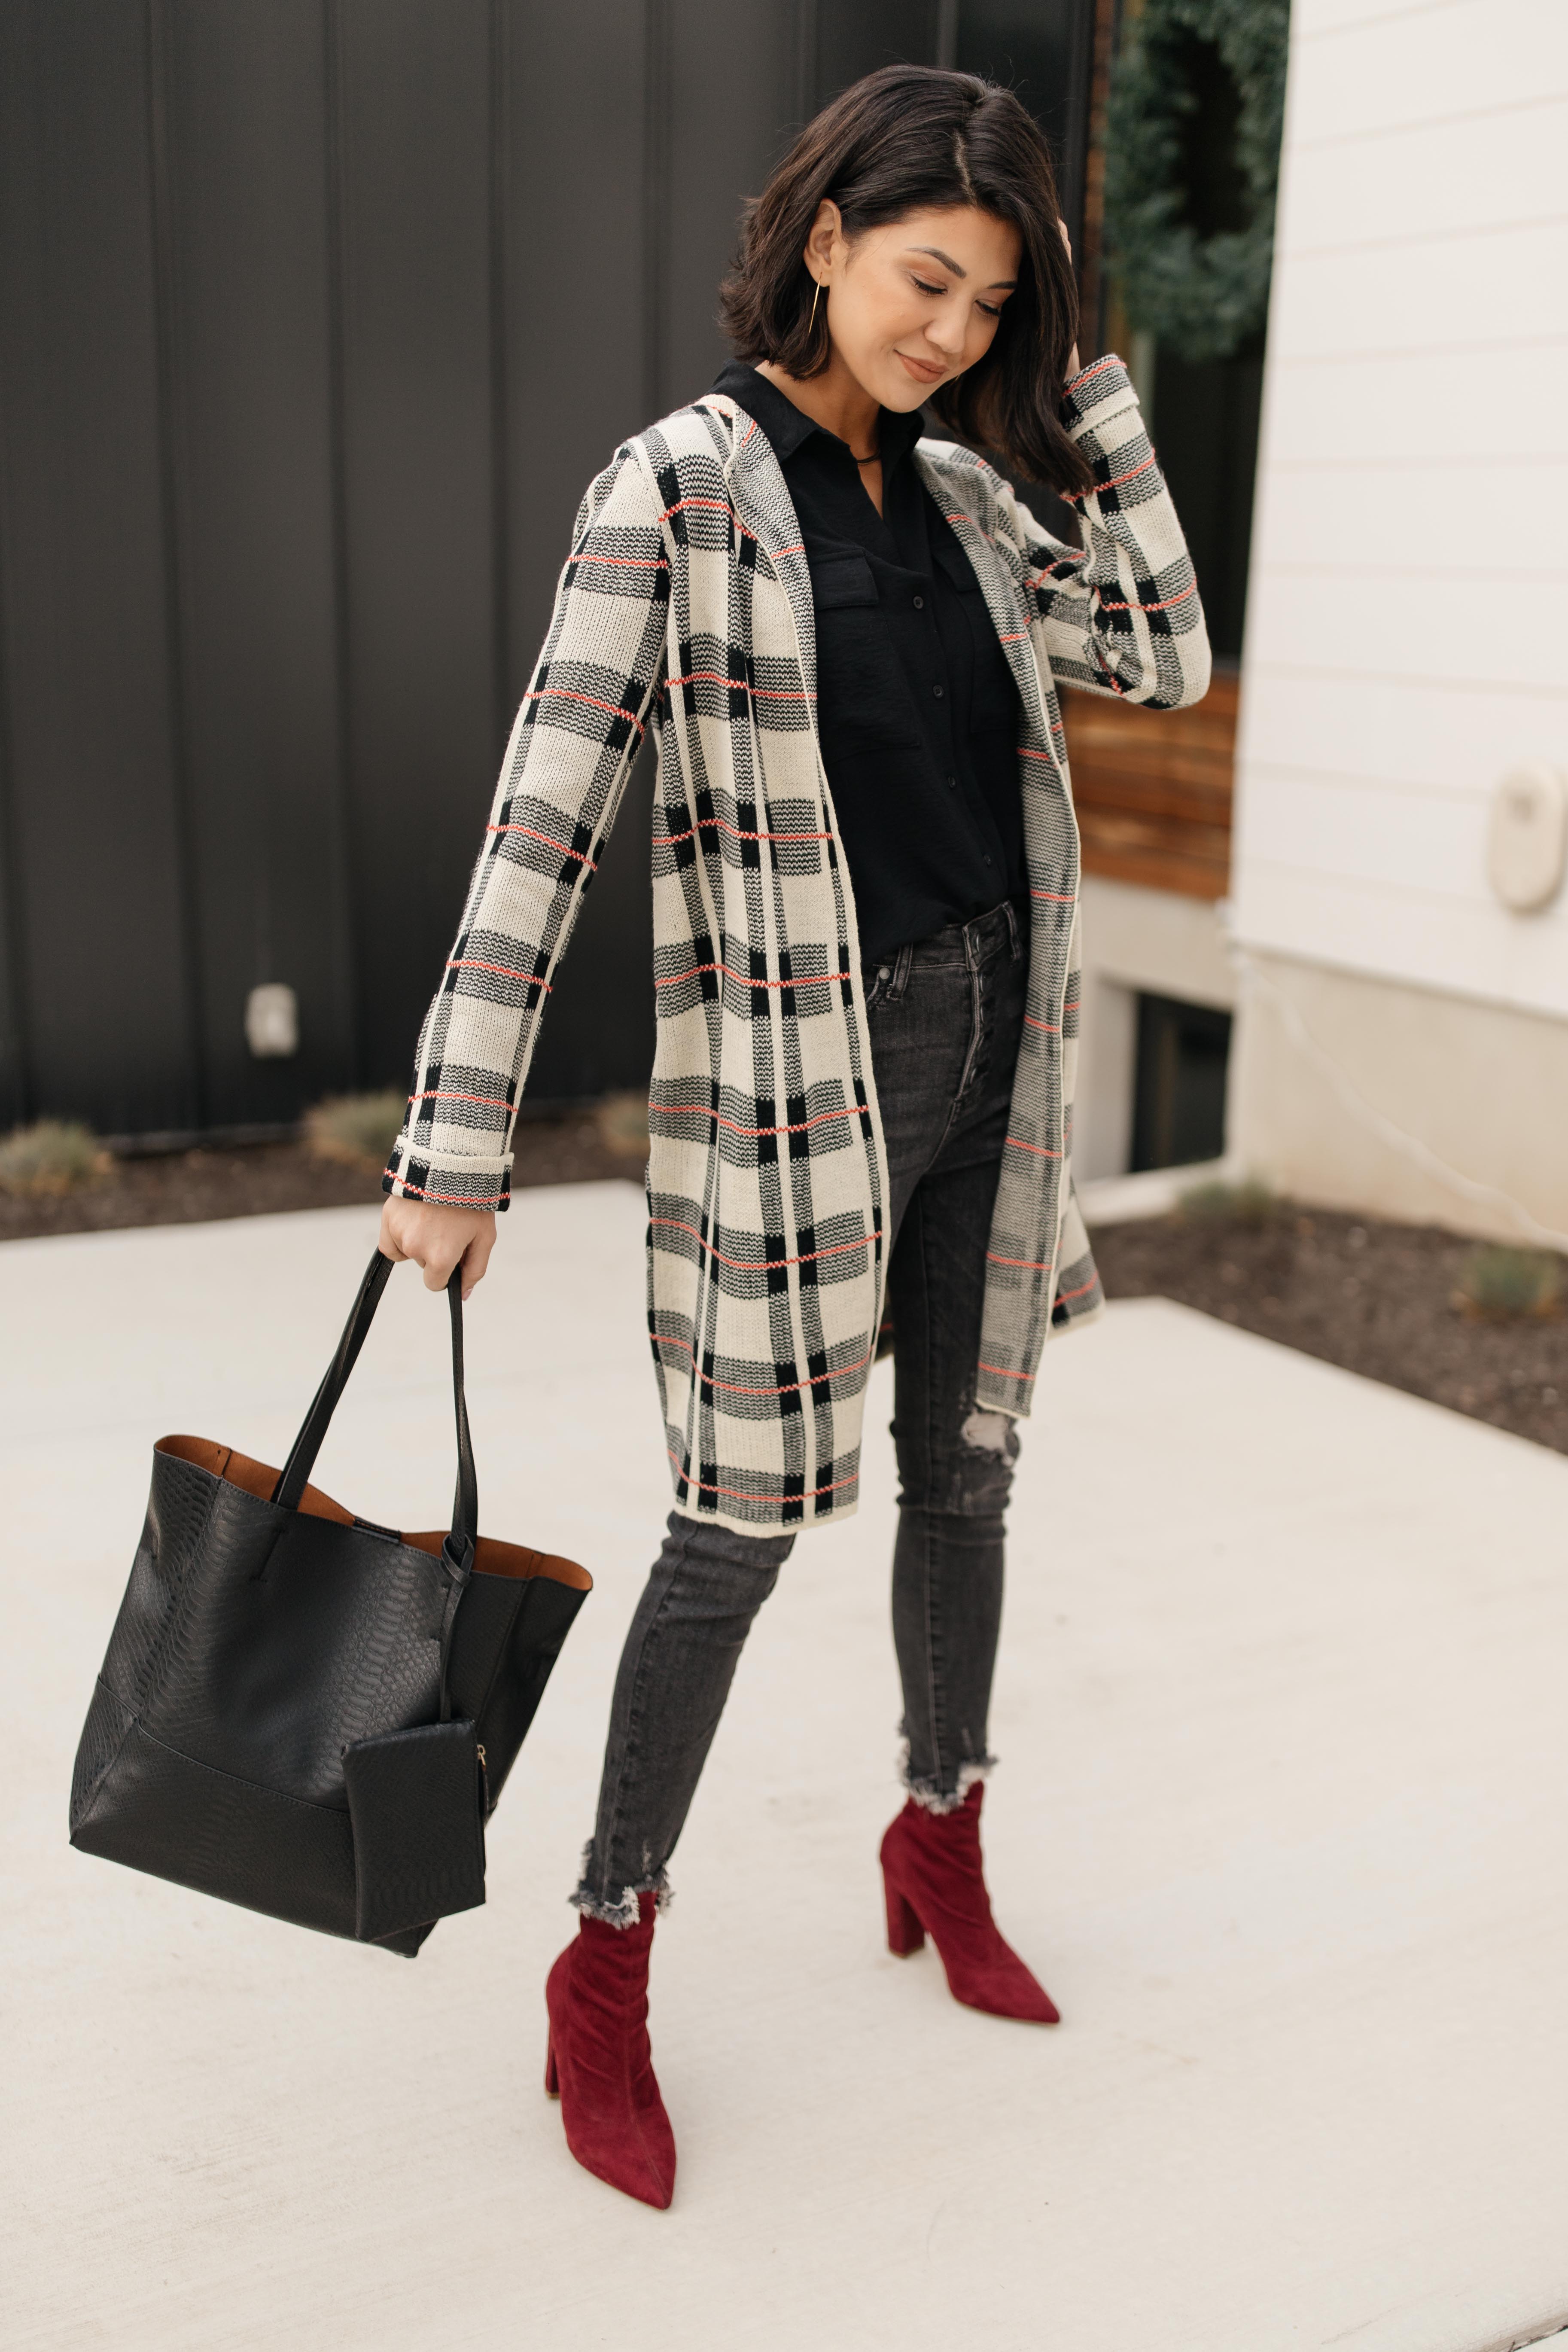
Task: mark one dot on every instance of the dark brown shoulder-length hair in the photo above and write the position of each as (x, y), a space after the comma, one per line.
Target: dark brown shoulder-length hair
(909, 138)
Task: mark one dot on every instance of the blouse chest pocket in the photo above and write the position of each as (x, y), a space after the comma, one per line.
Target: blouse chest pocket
(841, 583)
(863, 703)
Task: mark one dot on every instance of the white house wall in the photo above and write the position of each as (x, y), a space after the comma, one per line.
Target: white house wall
(1407, 626)
(1407, 620)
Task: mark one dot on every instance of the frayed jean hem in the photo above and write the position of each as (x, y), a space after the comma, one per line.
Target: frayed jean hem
(930, 1793)
(627, 1911)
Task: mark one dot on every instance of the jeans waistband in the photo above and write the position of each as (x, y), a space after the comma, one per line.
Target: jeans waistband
(1000, 930)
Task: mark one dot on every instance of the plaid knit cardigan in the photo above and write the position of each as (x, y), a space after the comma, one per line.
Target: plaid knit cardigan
(684, 606)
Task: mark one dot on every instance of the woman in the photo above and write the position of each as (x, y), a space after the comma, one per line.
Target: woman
(846, 639)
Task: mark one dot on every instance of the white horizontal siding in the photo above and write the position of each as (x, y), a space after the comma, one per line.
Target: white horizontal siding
(1459, 517)
(1423, 406)
(1328, 20)
(1486, 629)
(1407, 622)
(1396, 732)
(1328, 305)
(1363, 82)
(1440, 179)
(1415, 936)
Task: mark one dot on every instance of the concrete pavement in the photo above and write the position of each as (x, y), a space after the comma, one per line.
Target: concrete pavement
(1281, 1821)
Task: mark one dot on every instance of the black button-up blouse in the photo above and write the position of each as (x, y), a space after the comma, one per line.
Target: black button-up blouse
(917, 711)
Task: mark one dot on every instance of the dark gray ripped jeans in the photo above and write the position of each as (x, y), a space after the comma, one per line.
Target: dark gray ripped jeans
(946, 1017)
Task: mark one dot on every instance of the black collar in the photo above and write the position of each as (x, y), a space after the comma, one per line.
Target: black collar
(788, 427)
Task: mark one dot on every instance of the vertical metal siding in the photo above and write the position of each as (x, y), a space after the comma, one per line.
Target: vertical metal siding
(317, 316)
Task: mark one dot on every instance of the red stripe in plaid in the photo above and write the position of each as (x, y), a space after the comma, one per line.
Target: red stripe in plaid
(1115, 482)
(761, 1264)
(702, 1110)
(1082, 1292)
(780, 1388)
(450, 1200)
(581, 856)
(570, 694)
(717, 677)
(808, 980)
(719, 824)
(721, 505)
(751, 1494)
(449, 1094)
(476, 963)
(1109, 603)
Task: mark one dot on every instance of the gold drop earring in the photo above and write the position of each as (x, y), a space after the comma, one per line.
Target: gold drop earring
(817, 297)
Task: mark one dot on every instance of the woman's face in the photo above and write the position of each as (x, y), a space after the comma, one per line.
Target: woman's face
(911, 305)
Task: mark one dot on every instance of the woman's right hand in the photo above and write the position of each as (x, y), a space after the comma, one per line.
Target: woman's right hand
(437, 1239)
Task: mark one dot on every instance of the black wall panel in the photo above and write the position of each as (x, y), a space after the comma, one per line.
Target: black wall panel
(736, 72)
(245, 161)
(318, 317)
(413, 117)
(577, 306)
(96, 829)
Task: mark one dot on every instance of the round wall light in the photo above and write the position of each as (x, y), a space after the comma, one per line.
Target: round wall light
(1527, 837)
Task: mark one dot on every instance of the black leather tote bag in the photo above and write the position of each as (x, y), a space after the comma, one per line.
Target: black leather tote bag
(306, 1713)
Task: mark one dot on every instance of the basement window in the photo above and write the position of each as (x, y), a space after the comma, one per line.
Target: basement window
(1178, 1105)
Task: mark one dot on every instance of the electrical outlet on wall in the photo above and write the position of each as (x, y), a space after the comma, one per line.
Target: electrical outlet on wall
(1527, 837)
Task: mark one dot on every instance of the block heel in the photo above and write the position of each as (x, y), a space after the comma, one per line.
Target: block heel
(905, 1934)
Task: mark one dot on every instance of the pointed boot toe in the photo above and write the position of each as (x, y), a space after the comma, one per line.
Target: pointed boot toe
(934, 1883)
(599, 2062)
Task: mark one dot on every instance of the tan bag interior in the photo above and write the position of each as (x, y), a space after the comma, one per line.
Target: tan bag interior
(490, 1557)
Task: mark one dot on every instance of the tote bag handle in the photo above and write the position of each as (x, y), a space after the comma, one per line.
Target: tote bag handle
(301, 1461)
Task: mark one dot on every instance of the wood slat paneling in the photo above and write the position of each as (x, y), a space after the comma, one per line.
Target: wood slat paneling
(1153, 789)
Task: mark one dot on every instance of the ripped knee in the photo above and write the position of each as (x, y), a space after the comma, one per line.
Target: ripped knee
(988, 1432)
(980, 1476)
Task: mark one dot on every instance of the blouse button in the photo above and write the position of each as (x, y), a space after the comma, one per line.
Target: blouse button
(920, 604)
(938, 691)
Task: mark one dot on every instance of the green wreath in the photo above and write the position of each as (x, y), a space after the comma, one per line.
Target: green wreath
(1205, 295)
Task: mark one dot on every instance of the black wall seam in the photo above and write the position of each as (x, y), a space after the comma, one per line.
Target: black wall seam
(334, 195)
(500, 421)
(160, 166)
(656, 202)
(946, 43)
(805, 66)
(16, 1074)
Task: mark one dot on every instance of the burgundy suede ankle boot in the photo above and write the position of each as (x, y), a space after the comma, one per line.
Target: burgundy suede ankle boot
(599, 2064)
(934, 1884)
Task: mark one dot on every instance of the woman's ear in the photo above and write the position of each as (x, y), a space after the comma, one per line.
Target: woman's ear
(827, 231)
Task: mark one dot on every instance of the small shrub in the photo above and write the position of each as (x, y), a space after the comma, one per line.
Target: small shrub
(1500, 1284)
(622, 1122)
(1250, 1203)
(359, 1130)
(54, 1156)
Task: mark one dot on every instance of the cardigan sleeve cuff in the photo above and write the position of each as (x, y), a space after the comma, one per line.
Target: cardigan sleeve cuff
(470, 1182)
(1097, 393)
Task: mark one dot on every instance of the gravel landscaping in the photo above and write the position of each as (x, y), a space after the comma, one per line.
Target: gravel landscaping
(1378, 1298)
